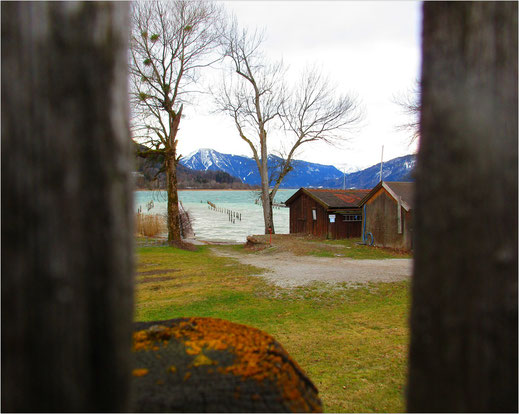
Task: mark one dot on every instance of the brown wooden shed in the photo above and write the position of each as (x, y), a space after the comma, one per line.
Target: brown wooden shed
(335, 214)
(388, 215)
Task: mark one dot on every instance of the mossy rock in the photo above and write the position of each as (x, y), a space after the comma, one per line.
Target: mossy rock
(213, 365)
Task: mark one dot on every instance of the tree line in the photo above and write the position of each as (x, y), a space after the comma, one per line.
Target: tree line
(189, 179)
(150, 174)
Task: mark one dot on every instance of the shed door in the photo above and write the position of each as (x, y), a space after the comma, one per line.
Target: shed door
(332, 226)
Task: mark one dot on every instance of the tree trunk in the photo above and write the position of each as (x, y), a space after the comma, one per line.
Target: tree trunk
(271, 213)
(267, 208)
(173, 209)
(463, 352)
(67, 255)
(265, 193)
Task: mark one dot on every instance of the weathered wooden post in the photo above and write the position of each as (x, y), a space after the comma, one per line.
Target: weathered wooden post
(67, 299)
(463, 353)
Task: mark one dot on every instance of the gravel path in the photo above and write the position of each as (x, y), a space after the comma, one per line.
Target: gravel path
(287, 270)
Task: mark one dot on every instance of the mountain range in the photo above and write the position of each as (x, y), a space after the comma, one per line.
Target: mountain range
(304, 174)
(148, 175)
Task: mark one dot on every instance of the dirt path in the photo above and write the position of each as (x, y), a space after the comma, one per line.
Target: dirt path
(288, 270)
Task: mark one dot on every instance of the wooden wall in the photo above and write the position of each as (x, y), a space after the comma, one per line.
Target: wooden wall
(301, 220)
(381, 221)
(346, 229)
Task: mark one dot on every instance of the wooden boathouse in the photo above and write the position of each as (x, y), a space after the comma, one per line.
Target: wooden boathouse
(388, 215)
(334, 214)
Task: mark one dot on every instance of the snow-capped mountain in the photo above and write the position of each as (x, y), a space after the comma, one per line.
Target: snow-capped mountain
(304, 174)
(208, 159)
(397, 169)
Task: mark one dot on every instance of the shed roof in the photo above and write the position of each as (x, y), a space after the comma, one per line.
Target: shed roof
(331, 199)
(396, 189)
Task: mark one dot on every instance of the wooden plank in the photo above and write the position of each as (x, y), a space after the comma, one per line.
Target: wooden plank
(399, 215)
(67, 209)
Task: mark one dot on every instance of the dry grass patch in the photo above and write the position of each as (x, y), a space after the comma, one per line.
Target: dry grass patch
(149, 225)
(308, 245)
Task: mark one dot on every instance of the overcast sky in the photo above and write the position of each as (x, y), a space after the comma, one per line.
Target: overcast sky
(370, 49)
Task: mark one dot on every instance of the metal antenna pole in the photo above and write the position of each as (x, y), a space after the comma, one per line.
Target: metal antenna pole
(381, 162)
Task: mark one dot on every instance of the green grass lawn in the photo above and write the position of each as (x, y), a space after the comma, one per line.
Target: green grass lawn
(352, 342)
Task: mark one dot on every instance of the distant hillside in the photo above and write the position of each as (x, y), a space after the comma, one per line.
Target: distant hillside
(304, 174)
(397, 169)
(146, 177)
(207, 168)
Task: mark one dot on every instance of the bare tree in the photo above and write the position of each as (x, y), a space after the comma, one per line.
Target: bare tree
(410, 103)
(314, 113)
(258, 101)
(253, 99)
(170, 43)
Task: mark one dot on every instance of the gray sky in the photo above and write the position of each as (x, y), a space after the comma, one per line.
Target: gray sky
(370, 49)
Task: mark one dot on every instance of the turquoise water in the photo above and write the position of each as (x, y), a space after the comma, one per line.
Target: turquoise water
(214, 225)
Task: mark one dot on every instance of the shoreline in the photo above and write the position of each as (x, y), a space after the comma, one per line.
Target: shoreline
(215, 189)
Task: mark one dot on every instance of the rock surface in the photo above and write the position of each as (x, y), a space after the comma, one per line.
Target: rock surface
(213, 365)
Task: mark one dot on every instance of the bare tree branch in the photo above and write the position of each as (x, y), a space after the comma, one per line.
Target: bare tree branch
(410, 102)
(171, 41)
(314, 113)
(258, 101)
(253, 97)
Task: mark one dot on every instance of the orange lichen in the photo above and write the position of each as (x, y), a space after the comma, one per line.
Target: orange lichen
(202, 360)
(140, 372)
(257, 355)
(172, 369)
(149, 338)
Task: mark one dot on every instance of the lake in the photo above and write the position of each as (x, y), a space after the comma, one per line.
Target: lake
(212, 225)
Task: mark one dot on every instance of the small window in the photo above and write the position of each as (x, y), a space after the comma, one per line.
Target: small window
(352, 217)
(314, 214)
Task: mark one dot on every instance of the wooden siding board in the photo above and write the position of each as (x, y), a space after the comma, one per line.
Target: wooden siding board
(301, 220)
(382, 222)
(341, 229)
(347, 229)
